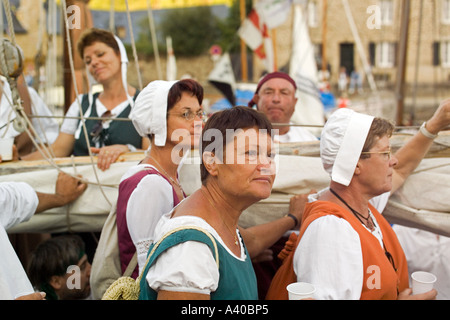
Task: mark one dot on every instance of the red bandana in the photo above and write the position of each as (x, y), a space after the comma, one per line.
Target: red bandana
(269, 76)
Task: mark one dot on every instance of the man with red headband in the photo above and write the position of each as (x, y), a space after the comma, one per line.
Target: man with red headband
(276, 97)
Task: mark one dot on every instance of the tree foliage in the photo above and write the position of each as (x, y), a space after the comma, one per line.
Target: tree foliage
(193, 31)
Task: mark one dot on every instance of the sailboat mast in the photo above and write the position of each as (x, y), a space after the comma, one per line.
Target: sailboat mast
(85, 22)
(402, 57)
(324, 35)
(244, 69)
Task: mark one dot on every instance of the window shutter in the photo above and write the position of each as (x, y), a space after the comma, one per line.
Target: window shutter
(436, 53)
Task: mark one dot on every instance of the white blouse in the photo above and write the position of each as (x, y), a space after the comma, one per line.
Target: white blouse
(295, 134)
(152, 198)
(18, 201)
(330, 257)
(72, 126)
(198, 273)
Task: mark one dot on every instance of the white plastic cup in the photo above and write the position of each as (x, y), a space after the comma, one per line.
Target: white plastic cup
(300, 291)
(422, 282)
(6, 148)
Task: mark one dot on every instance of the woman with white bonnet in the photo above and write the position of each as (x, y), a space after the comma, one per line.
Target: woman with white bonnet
(346, 248)
(151, 188)
(106, 62)
(171, 115)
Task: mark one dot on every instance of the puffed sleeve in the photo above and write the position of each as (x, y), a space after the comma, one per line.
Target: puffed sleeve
(187, 267)
(18, 203)
(152, 198)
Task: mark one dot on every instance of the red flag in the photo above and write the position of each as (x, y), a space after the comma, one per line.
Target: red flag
(255, 34)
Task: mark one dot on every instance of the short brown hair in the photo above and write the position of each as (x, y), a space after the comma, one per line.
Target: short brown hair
(53, 256)
(186, 85)
(234, 118)
(90, 36)
(379, 128)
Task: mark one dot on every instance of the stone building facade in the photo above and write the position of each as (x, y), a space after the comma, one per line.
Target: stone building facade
(378, 23)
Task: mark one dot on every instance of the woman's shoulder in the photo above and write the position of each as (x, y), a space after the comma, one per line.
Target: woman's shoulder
(167, 223)
(147, 169)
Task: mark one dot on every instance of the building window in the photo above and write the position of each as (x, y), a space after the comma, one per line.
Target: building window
(387, 12)
(445, 54)
(446, 11)
(385, 55)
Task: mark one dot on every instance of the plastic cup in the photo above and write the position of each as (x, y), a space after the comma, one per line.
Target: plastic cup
(6, 148)
(300, 291)
(422, 282)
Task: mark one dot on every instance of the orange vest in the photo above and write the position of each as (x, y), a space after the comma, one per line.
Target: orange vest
(380, 282)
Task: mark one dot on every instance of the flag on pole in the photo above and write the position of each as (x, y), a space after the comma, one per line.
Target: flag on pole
(222, 77)
(274, 12)
(265, 15)
(255, 34)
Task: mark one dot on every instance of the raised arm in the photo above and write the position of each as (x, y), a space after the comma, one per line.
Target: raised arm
(261, 237)
(411, 154)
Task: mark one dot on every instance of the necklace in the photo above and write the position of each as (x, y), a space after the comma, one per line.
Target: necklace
(369, 223)
(236, 242)
(171, 179)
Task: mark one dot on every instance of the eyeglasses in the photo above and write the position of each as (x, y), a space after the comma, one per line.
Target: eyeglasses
(391, 260)
(98, 127)
(389, 256)
(387, 153)
(189, 115)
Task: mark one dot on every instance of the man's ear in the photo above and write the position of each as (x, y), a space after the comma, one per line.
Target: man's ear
(256, 99)
(210, 163)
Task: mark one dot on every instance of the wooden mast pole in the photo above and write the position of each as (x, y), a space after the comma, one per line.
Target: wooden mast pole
(85, 22)
(244, 68)
(324, 35)
(402, 58)
(274, 45)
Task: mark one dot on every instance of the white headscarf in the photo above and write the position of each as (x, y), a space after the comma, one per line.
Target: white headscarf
(341, 143)
(150, 110)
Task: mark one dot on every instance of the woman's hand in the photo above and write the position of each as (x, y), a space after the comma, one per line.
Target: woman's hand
(108, 155)
(297, 205)
(407, 295)
(33, 296)
(440, 119)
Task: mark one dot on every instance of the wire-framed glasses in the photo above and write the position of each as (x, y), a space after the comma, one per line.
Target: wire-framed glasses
(188, 115)
(386, 153)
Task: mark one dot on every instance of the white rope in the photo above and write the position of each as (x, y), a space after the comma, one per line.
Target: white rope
(52, 52)
(133, 45)
(72, 69)
(359, 46)
(9, 21)
(112, 18)
(2, 26)
(30, 130)
(154, 40)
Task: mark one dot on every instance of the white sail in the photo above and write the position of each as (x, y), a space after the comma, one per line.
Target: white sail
(222, 77)
(171, 71)
(303, 69)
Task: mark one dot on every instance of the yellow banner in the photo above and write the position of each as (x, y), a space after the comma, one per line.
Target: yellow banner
(139, 5)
